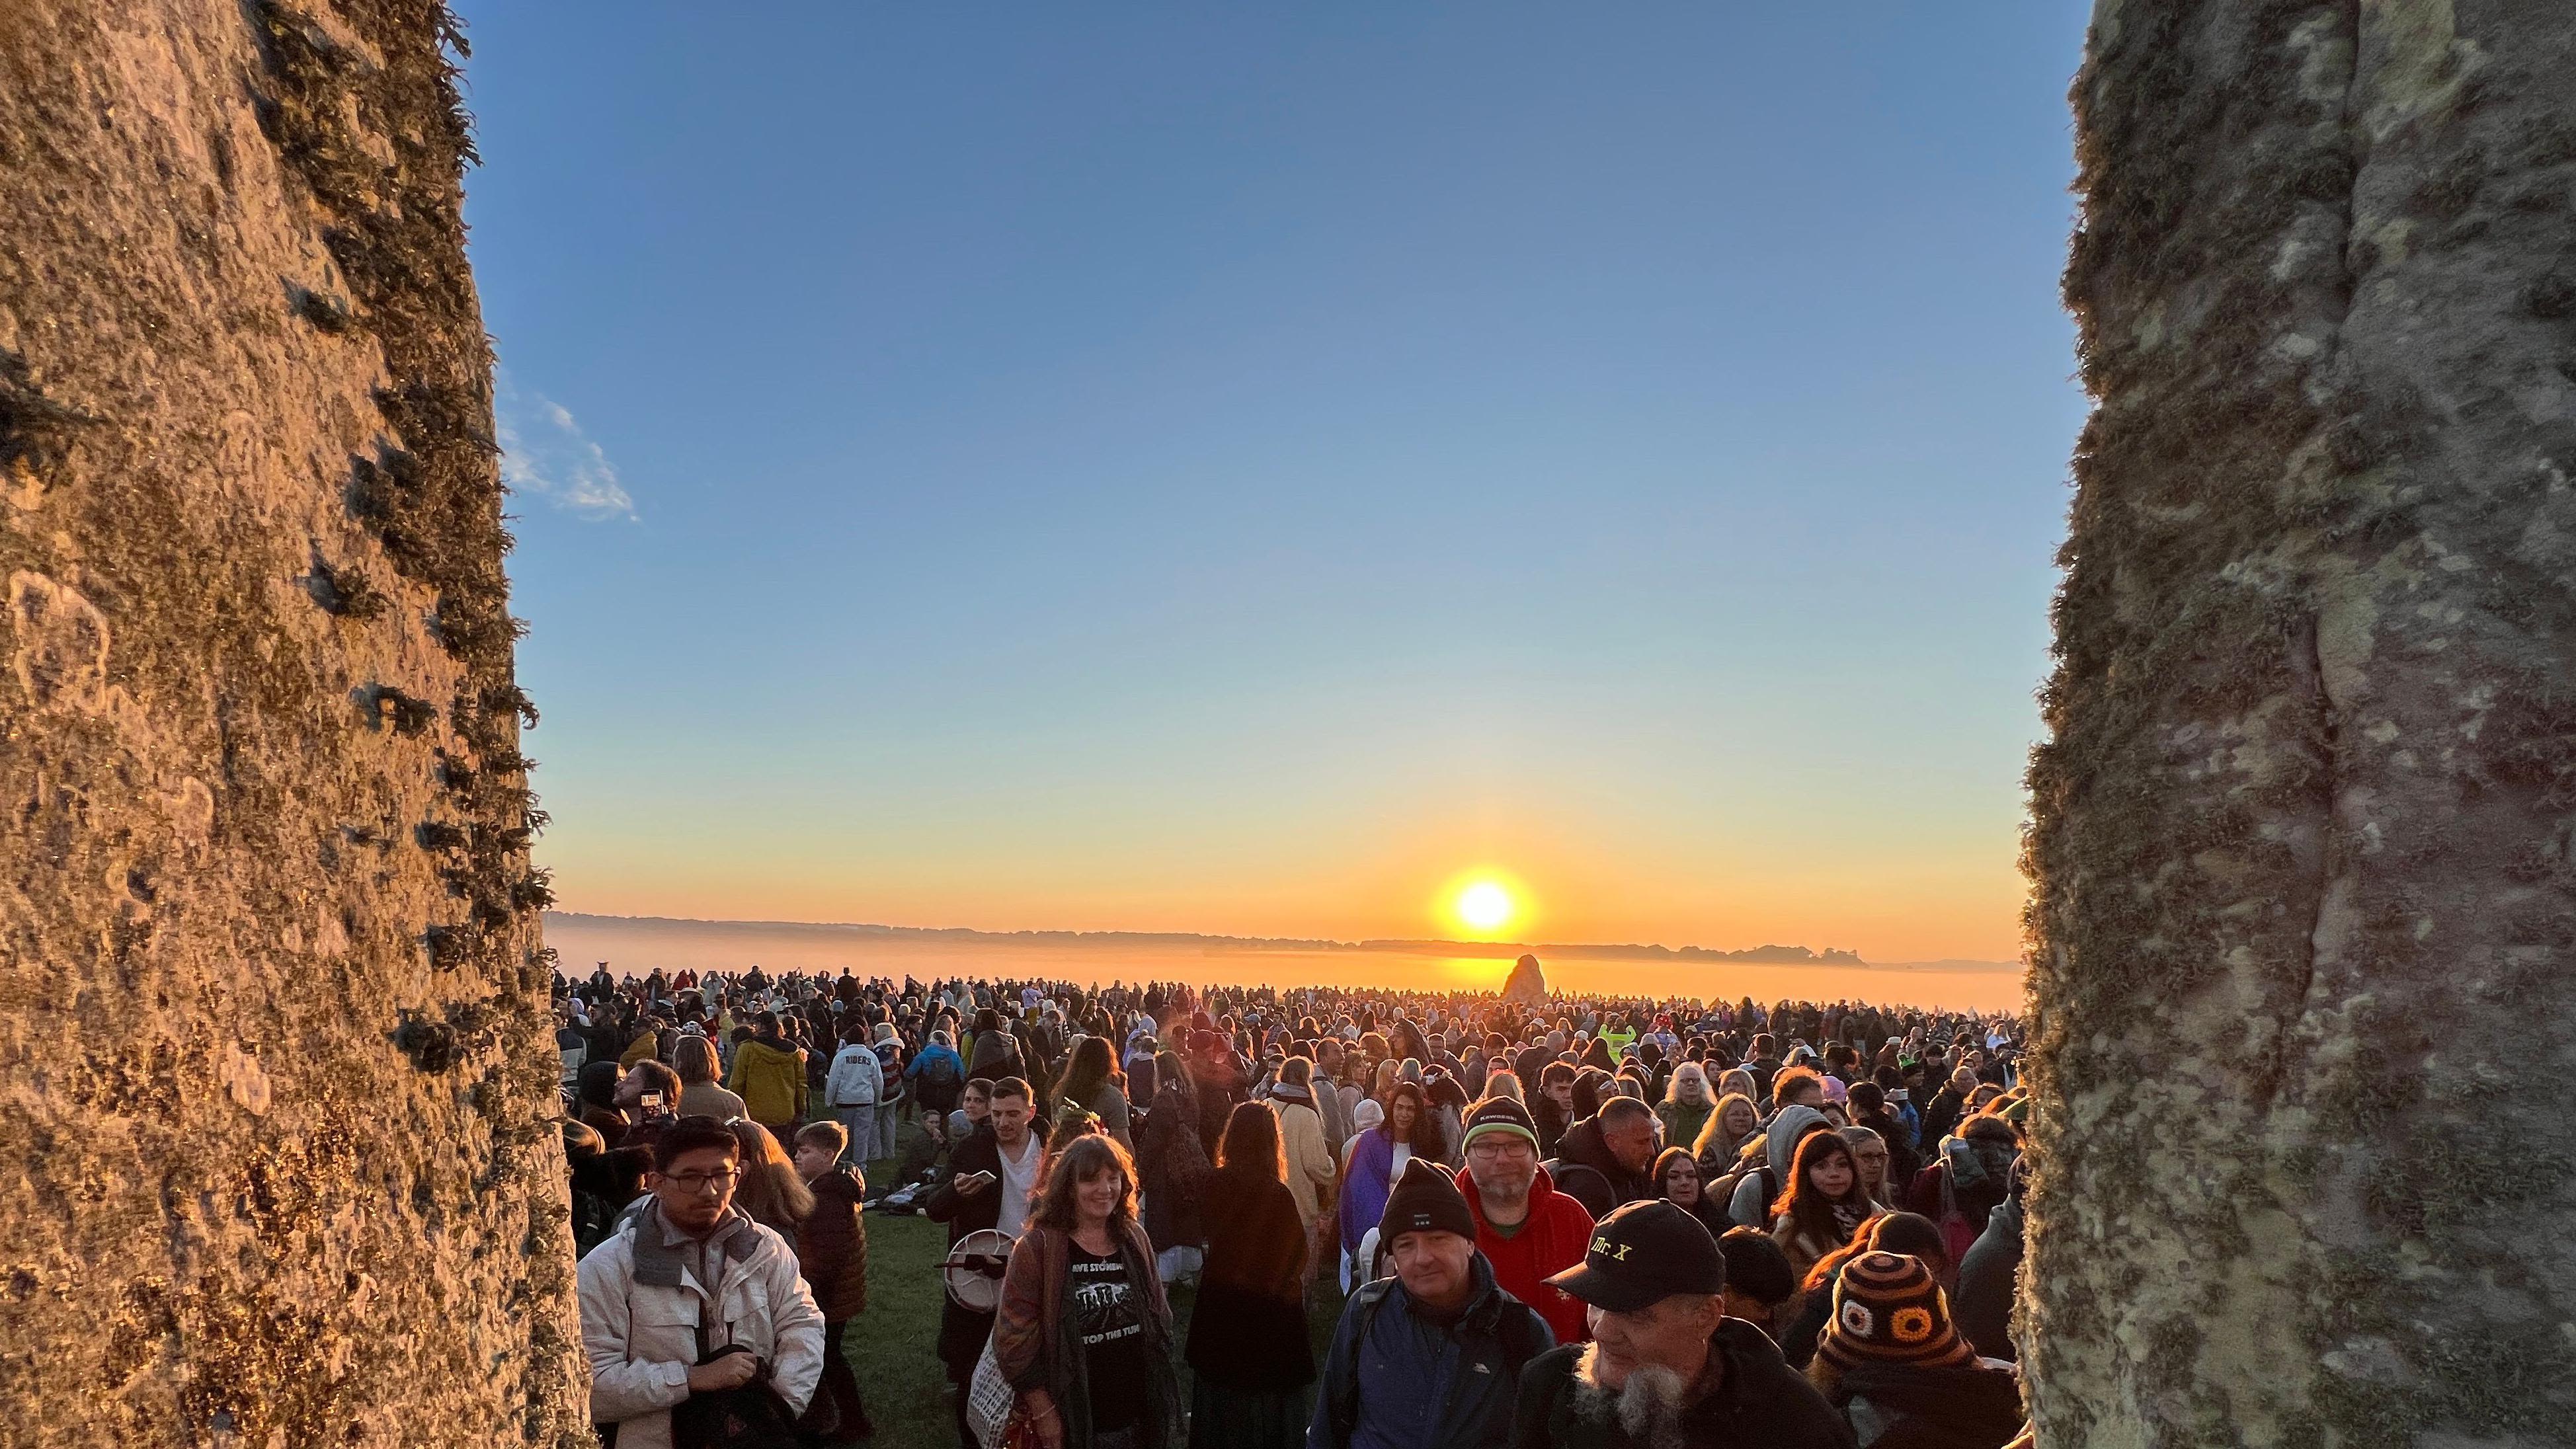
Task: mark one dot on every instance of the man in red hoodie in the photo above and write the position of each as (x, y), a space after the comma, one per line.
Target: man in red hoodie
(1524, 1226)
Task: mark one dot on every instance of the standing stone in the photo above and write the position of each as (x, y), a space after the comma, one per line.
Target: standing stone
(2304, 846)
(274, 1076)
(1527, 985)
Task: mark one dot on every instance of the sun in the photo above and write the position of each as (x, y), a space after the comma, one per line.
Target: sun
(1485, 906)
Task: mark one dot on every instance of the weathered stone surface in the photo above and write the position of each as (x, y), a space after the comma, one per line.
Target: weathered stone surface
(1527, 984)
(254, 638)
(2304, 886)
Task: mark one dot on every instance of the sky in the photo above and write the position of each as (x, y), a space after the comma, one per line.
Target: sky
(1257, 469)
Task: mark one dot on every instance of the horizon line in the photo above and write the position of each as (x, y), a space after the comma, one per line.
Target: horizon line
(1770, 953)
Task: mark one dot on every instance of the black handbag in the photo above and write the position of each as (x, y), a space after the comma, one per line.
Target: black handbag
(748, 1416)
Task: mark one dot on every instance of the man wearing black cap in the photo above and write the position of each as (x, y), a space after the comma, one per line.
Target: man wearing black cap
(1666, 1366)
(1426, 1359)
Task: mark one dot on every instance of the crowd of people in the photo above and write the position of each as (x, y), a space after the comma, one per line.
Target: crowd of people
(1583, 1222)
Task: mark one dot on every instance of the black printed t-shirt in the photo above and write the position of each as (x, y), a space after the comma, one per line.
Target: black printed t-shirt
(1112, 1324)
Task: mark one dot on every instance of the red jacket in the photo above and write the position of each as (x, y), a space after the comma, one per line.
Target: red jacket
(1552, 1239)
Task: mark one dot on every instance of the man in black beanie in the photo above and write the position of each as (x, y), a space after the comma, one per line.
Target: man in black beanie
(1426, 1359)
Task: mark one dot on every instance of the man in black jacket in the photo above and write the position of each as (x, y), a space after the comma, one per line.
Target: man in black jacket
(1764, 1065)
(1987, 1275)
(1942, 1114)
(1665, 1365)
(979, 1179)
(1619, 1144)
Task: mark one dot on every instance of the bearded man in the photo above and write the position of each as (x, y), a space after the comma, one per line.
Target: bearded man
(1666, 1368)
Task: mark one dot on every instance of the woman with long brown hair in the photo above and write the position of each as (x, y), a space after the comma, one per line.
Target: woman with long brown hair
(1093, 1082)
(1172, 1163)
(1084, 1332)
(1250, 1360)
(1824, 1203)
(1677, 1181)
(772, 1193)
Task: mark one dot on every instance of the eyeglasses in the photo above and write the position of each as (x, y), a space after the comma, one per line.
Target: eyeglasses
(694, 1182)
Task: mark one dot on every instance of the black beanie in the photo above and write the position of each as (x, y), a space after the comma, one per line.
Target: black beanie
(1424, 1199)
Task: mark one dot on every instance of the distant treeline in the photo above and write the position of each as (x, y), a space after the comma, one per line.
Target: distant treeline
(1500, 950)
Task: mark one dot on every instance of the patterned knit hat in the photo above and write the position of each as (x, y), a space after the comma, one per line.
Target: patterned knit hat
(1888, 1308)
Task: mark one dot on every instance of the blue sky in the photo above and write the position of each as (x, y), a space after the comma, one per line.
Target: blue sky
(1233, 468)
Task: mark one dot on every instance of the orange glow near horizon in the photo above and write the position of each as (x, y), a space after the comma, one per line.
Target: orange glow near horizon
(1570, 879)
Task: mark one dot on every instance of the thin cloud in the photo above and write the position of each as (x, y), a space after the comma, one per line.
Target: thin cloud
(545, 454)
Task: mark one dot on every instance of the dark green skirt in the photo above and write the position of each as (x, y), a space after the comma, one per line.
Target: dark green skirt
(1223, 1418)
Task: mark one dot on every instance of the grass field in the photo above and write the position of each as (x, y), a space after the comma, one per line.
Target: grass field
(894, 1345)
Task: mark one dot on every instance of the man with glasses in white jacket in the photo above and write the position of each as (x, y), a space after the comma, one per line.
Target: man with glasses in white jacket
(683, 1278)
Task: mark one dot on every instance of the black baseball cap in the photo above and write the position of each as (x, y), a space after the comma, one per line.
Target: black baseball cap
(1642, 1254)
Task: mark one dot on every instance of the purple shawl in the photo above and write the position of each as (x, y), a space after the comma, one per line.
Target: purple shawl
(1370, 1178)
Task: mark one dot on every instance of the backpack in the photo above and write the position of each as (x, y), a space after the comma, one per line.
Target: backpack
(941, 1071)
(1006, 1061)
(1761, 1173)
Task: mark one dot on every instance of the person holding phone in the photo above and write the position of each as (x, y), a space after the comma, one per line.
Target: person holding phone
(992, 1174)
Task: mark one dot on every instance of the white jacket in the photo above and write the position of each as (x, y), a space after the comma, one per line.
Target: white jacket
(641, 1336)
(857, 1080)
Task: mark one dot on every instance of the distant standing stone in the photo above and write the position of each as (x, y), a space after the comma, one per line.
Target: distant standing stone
(1527, 983)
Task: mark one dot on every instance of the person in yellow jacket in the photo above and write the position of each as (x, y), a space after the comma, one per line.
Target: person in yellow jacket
(647, 1045)
(769, 1075)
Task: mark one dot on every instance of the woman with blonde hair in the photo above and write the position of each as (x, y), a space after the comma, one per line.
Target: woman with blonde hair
(1720, 1144)
(1083, 1323)
(1505, 1083)
(701, 1094)
(1736, 1079)
(1381, 1087)
(1869, 1152)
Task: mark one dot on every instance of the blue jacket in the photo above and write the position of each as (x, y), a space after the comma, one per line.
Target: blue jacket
(1396, 1380)
(935, 1052)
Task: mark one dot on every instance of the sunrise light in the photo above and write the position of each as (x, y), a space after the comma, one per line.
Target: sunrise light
(1484, 907)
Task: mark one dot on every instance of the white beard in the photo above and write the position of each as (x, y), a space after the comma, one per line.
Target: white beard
(1648, 1407)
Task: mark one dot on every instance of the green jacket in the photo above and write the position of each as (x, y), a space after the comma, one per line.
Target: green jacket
(769, 1076)
(1683, 1121)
